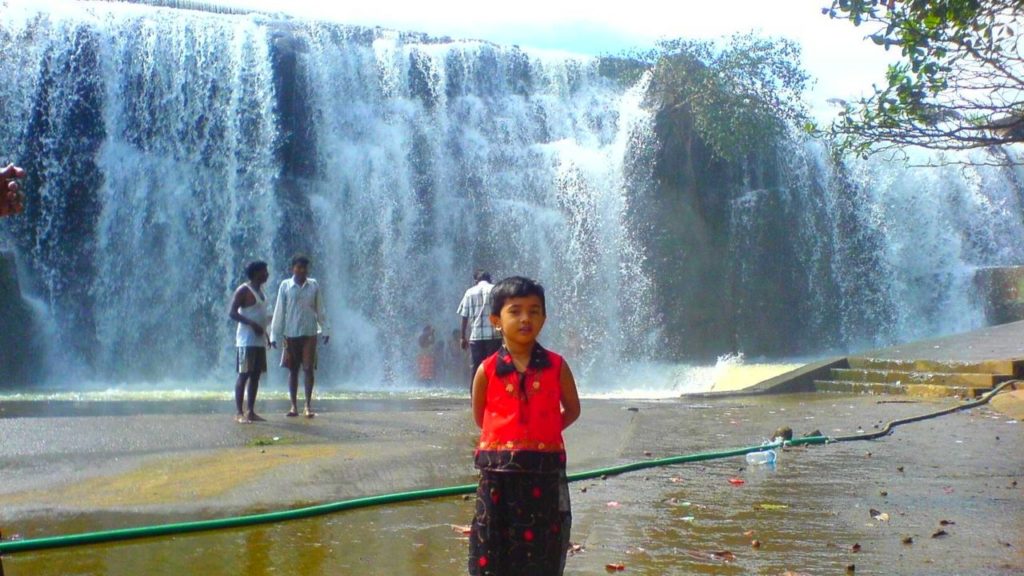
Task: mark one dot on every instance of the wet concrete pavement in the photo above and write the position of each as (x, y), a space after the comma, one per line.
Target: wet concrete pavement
(63, 473)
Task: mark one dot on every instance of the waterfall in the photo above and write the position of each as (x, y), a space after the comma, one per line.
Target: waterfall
(166, 148)
(873, 252)
(170, 147)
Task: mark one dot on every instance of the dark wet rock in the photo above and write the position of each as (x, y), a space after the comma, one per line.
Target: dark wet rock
(784, 432)
(22, 352)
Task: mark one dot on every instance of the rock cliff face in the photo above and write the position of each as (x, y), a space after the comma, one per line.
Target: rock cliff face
(20, 354)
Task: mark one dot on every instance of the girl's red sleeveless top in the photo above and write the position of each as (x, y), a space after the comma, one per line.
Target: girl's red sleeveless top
(523, 413)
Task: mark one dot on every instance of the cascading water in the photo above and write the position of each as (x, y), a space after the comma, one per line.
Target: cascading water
(398, 164)
(876, 252)
(166, 148)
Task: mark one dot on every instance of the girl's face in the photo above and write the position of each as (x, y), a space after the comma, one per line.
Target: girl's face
(521, 319)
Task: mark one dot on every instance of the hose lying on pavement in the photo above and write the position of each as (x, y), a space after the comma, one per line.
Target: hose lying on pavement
(123, 534)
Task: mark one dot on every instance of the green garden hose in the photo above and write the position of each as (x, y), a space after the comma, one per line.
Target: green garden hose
(123, 534)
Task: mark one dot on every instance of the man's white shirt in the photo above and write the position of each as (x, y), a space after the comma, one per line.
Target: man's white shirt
(299, 311)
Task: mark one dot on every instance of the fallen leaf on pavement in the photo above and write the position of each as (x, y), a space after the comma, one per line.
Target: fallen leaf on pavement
(748, 533)
(721, 555)
(755, 544)
(615, 567)
(461, 529)
(770, 507)
(576, 549)
(940, 534)
(737, 481)
(724, 556)
(880, 516)
(946, 523)
(614, 504)
(855, 548)
(908, 540)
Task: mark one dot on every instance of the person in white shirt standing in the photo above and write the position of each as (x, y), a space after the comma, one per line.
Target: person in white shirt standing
(298, 319)
(475, 310)
(249, 308)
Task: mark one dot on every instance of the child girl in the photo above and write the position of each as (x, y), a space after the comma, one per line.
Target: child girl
(523, 397)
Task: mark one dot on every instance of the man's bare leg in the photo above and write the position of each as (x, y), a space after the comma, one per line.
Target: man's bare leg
(239, 394)
(254, 387)
(309, 380)
(293, 391)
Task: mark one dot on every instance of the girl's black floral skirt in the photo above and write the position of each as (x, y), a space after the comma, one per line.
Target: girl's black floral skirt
(523, 518)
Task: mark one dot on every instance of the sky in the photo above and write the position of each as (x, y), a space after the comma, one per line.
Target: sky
(843, 63)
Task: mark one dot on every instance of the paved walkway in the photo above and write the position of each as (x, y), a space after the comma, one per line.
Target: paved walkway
(1002, 342)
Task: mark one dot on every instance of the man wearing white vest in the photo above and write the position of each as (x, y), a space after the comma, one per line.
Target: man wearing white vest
(249, 307)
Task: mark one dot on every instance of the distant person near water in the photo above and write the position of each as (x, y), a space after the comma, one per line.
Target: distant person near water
(12, 200)
(425, 361)
(249, 308)
(475, 310)
(298, 319)
(523, 397)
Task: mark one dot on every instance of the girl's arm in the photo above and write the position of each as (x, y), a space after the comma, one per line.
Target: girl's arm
(570, 397)
(479, 395)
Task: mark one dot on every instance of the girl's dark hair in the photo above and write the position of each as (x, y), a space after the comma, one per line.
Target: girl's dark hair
(254, 268)
(515, 287)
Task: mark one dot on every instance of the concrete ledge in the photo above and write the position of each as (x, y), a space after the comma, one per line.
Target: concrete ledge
(1001, 366)
(978, 380)
(799, 380)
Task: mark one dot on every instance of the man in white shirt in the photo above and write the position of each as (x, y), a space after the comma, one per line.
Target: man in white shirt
(299, 318)
(475, 310)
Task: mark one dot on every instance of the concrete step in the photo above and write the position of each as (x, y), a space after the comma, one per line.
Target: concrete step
(923, 390)
(968, 379)
(1011, 366)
